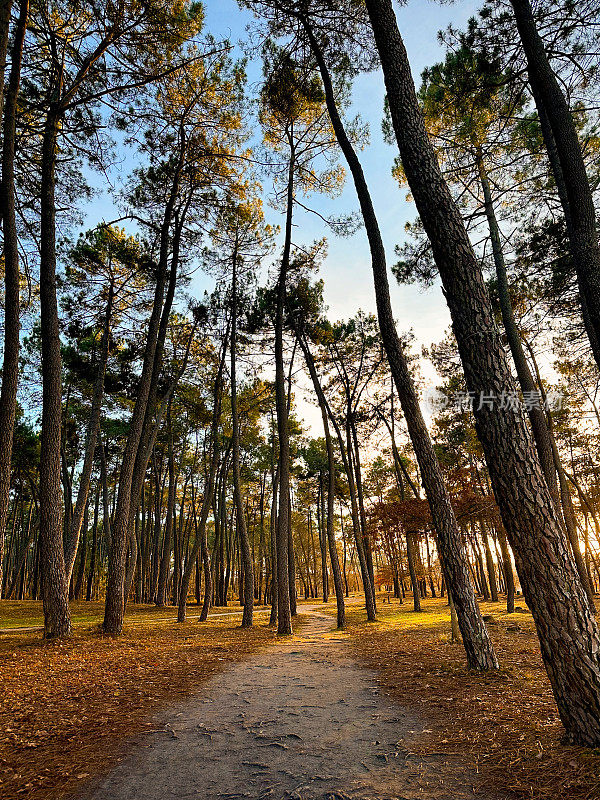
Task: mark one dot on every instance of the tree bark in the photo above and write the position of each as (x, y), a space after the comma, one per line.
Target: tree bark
(410, 554)
(284, 617)
(246, 557)
(567, 629)
(90, 442)
(5, 12)
(333, 553)
(581, 216)
(12, 325)
(55, 586)
(478, 646)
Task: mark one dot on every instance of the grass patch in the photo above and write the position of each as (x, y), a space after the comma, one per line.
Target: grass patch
(29, 613)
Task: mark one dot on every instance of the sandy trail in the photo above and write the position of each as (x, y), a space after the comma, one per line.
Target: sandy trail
(297, 721)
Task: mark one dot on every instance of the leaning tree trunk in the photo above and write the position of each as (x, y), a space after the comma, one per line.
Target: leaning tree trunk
(12, 326)
(567, 629)
(333, 553)
(114, 610)
(478, 645)
(529, 388)
(581, 214)
(542, 432)
(55, 586)
(246, 556)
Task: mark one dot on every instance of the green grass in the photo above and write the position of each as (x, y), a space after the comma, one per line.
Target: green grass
(29, 613)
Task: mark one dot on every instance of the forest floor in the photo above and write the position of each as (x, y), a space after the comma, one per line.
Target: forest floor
(505, 725)
(384, 710)
(67, 707)
(17, 616)
(299, 721)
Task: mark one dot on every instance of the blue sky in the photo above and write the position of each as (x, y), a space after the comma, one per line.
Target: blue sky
(347, 272)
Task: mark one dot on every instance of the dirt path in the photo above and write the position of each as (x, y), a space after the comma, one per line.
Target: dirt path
(301, 721)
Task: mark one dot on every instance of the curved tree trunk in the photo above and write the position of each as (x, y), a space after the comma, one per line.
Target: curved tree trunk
(567, 629)
(478, 645)
(333, 553)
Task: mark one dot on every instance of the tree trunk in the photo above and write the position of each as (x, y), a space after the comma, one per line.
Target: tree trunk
(5, 12)
(82, 555)
(165, 561)
(12, 325)
(273, 538)
(115, 588)
(90, 580)
(489, 562)
(55, 585)
(333, 553)
(200, 541)
(528, 385)
(246, 557)
(567, 629)
(410, 553)
(509, 578)
(284, 617)
(90, 442)
(567, 504)
(581, 216)
(322, 543)
(358, 539)
(478, 646)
